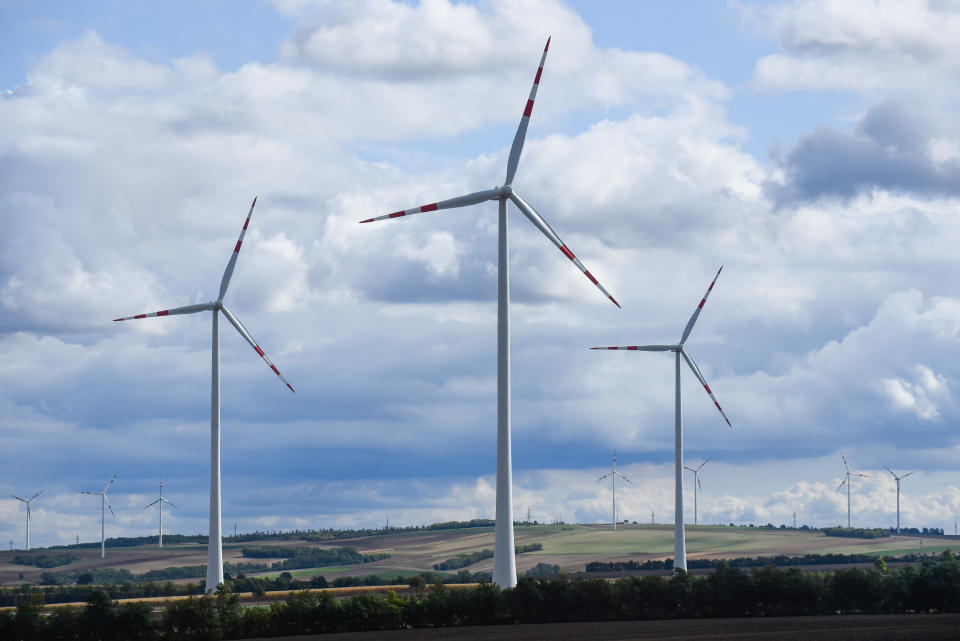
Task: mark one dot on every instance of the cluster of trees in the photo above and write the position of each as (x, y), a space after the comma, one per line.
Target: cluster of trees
(44, 560)
(464, 559)
(728, 592)
(779, 560)
(104, 576)
(857, 532)
(927, 531)
(303, 557)
(132, 541)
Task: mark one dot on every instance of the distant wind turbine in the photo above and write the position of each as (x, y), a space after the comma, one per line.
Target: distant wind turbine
(161, 501)
(104, 501)
(215, 540)
(897, 479)
(27, 503)
(679, 544)
(504, 561)
(846, 480)
(613, 474)
(696, 485)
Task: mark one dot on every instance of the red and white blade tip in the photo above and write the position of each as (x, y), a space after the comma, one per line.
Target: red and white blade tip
(586, 272)
(406, 212)
(163, 312)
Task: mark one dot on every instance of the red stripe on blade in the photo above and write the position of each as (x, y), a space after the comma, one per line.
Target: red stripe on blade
(548, 43)
(613, 348)
(528, 109)
(275, 370)
(291, 389)
(430, 207)
(567, 252)
(368, 220)
(397, 214)
(632, 348)
(707, 387)
(536, 80)
(237, 248)
(587, 273)
(165, 312)
(614, 301)
(117, 319)
(140, 316)
(702, 301)
(259, 351)
(245, 223)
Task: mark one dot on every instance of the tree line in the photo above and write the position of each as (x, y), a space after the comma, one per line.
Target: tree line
(779, 560)
(464, 559)
(727, 592)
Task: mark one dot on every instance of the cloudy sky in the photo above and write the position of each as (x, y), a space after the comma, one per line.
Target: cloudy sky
(810, 147)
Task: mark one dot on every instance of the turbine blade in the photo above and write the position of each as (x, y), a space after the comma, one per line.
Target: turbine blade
(604, 476)
(842, 483)
(228, 272)
(696, 312)
(28, 511)
(907, 474)
(686, 467)
(699, 484)
(188, 309)
(845, 462)
(152, 504)
(703, 381)
(168, 502)
(704, 463)
(109, 507)
(18, 498)
(891, 473)
(642, 348)
(517, 147)
(243, 332)
(111, 482)
(866, 476)
(542, 225)
(624, 478)
(36, 495)
(459, 201)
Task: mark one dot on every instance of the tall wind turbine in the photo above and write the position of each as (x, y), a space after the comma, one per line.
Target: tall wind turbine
(104, 501)
(613, 474)
(897, 479)
(696, 485)
(161, 501)
(679, 543)
(27, 503)
(846, 481)
(504, 562)
(215, 542)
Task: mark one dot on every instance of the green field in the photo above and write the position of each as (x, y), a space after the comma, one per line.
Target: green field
(569, 546)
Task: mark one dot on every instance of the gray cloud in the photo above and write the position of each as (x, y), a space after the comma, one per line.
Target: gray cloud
(898, 146)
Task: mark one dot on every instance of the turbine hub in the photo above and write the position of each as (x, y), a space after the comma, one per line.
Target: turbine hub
(505, 191)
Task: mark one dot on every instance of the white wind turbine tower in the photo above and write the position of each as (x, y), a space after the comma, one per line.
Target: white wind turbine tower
(104, 501)
(696, 485)
(613, 474)
(27, 503)
(897, 479)
(504, 561)
(679, 543)
(161, 501)
(846, 481)
(215, 542)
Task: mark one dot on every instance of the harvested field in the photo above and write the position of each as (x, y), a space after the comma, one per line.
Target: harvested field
(894, 627)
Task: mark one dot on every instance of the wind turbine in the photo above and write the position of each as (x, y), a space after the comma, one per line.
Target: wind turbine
(846, 480)
(27, 503)
(613, 474)
(504, 562)
(215, 542)
(897, 479)
(104, 501)
(679, 543)
(696, 478)
(161, 501)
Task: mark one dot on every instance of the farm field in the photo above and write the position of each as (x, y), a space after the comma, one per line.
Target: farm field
(569, 546)
(894, 627)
